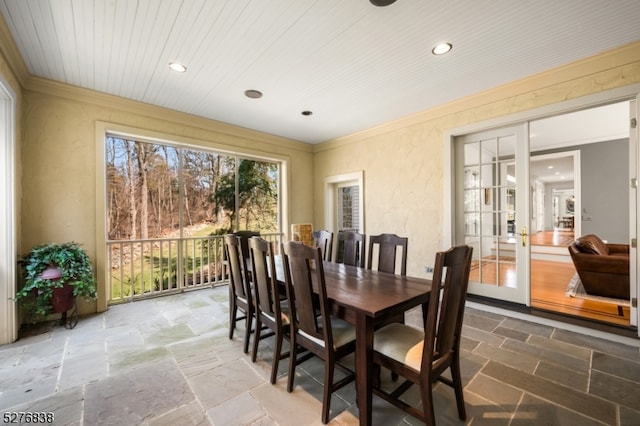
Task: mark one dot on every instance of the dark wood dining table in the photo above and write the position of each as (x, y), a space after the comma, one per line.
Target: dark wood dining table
(367, 298)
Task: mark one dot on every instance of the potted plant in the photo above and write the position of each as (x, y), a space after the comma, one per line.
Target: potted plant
(54, 275)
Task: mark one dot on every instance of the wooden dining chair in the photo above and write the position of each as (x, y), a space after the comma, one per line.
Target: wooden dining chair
(420, 356)
(324, 240)
(350, 249)
(245, 236)
(269, 311)
(312, 327)
(239, 289)
(388, 245)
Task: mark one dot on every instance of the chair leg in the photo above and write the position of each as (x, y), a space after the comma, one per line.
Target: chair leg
(328, 385)
(292, 364)
(233, 311)
(377, 376)
(247, 333)
(456, 378)
(256, 339)
(276, 358)
(427, 404)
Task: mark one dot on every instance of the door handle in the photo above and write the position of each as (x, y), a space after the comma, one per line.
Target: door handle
(524, 236)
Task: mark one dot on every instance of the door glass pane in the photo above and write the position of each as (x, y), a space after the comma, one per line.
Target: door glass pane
(489, 209)
(472, 153)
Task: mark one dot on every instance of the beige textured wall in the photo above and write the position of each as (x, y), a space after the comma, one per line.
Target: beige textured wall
(403, 161)
(59, 158)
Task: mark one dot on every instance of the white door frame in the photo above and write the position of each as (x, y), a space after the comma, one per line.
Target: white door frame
(577, 185)
(626, 93)
(634, 199)
(8, 255)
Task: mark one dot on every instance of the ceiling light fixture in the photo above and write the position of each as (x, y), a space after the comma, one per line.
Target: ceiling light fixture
(253, 94)
(307, 113)
(177, 67)
(442, 48)
(382, 3)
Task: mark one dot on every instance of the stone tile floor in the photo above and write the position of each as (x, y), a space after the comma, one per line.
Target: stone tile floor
(168, 361)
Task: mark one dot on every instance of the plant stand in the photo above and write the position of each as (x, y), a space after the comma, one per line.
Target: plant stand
(70, 319)
(62, 302)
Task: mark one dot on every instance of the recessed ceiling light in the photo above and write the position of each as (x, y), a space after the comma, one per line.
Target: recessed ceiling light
(307, 113)
(442, 48)
(177, 67)
(382, 2)
(253, 94)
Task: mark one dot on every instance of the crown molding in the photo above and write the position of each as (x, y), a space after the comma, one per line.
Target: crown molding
(615, 58)
(11, 55)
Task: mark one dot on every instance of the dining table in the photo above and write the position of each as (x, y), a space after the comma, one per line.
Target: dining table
(367, 298)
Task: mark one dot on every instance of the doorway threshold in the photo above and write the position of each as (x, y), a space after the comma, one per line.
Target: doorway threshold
(614, 332)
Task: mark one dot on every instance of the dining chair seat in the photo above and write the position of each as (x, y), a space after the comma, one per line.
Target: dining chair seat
(284, 317)
(402, 343)
(343, 333)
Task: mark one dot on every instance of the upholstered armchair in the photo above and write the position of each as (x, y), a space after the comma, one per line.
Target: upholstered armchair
(603, 268)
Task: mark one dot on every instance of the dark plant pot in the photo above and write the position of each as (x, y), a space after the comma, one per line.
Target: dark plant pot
(62, 299)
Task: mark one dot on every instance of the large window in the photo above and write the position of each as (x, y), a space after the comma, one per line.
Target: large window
(168, 206)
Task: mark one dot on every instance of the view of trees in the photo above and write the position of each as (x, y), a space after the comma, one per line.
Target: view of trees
(167, 207)
(154, 189)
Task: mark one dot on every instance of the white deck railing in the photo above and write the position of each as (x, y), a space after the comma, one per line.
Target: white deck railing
(149, 268)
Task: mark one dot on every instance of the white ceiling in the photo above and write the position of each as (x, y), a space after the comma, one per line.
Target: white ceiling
(354, 65)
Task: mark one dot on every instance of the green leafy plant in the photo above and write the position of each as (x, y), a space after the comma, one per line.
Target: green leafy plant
(74, 265)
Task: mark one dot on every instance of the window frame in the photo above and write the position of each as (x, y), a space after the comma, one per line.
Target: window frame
(103, 129)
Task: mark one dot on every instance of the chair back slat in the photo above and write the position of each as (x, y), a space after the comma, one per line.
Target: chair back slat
(238, 273)
(446, 303)
(350, 250)
(301, 264)
(267, 292)
(388, 245)
(245, 236)
(324, 240)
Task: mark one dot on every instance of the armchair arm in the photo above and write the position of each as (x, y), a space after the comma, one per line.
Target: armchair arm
(618, 265)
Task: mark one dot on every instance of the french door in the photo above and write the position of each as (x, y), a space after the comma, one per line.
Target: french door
(493, 210)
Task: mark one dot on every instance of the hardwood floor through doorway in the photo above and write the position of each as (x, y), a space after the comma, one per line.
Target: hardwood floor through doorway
(549, 282)
(550, 279)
